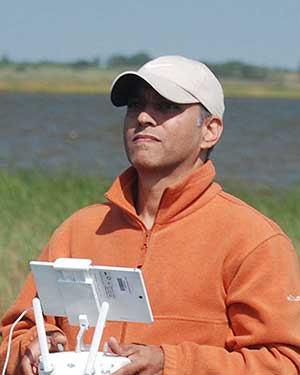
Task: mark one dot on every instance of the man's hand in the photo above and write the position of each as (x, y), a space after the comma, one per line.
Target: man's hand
(145, 359)
(29, 362)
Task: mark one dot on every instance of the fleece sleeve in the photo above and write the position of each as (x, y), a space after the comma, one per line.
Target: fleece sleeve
(25, 330)
(263, 308)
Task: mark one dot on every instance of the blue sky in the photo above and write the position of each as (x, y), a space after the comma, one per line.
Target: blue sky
(263, 32)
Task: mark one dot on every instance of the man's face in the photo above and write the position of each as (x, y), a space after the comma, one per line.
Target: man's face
(159, 134)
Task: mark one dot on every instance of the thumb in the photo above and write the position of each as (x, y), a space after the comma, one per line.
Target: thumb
(57, 341)
(114, 346)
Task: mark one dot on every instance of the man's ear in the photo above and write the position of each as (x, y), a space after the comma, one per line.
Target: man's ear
(212, 128)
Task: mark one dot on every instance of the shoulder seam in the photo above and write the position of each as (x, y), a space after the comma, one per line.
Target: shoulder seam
(256, 248)
(271, 223)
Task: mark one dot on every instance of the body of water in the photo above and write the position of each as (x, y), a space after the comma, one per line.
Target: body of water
(83, 133)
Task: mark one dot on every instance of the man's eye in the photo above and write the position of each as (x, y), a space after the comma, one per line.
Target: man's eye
(132, 104)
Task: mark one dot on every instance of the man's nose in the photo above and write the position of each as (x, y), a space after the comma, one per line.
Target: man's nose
(146, 119)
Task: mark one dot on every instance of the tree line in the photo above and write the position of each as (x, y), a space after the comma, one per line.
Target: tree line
(229, 69)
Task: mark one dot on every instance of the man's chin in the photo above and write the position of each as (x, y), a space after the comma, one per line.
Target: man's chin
(146, 166)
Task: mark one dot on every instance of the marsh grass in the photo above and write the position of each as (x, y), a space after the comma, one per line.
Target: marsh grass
(33, 204)
(264, 89)
(98, 80)
(57, 80)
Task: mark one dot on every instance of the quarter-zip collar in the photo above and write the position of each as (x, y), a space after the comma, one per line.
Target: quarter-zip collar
(177, 201)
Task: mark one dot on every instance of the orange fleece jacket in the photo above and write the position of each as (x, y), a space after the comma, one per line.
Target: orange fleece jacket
(223, 280)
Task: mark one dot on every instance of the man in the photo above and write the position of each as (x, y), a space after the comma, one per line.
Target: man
(223, 280)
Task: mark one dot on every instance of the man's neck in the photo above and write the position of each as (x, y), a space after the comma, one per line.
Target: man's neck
(151, 187)
(150, 191)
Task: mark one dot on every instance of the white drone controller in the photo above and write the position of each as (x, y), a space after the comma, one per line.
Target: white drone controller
(72, 363)
(73, 288)
(79, 362)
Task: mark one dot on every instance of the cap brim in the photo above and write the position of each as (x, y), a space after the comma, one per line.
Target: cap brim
(124, 86)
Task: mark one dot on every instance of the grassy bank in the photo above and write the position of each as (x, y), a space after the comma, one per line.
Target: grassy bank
(31, 207)
(33, 204)
(56, 80)
(98, 80)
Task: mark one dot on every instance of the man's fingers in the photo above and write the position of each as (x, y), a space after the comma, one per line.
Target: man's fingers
(131, 368)
(26, 365)
(29, 362)
(124, 350)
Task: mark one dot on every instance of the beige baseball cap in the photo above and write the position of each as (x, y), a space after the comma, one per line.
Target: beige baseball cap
(177, 79)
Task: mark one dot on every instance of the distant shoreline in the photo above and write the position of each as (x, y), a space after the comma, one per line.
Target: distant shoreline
(98, 81)
(235, 89)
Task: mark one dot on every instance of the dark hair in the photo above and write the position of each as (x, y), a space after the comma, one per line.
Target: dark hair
(204, 113)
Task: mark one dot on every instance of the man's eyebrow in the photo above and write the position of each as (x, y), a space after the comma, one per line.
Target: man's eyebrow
(135, 96)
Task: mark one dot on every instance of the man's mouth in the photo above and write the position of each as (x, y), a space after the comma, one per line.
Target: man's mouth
(145, 138)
